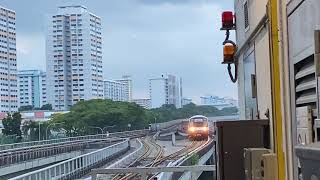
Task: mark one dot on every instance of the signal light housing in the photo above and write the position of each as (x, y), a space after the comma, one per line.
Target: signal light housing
(229, 47)
(228, 53)
(228, 21)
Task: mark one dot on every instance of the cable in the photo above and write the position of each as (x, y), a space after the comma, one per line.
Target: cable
(227, 36)
(235, 77)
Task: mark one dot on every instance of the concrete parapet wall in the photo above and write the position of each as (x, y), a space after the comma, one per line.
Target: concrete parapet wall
(204, 154)
(77, 166)
(14, 168)
(130, 158)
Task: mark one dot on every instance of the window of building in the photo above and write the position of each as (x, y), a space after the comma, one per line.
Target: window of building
(246, 15)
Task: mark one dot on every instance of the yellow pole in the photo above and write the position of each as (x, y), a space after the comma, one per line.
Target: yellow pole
(276, 91)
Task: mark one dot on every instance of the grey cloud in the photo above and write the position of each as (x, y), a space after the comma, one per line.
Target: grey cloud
(143, 38)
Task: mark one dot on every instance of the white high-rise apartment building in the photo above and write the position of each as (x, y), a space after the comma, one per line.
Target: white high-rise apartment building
(128, 82)
(32, 88)
(74, 57)
(8, 61)
(165, 90)
(115, 90)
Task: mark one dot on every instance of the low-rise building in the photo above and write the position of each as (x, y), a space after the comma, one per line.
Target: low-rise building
(39, 115)
(32, 88)
(186, 101)
(126, 79)
(218, 102)
(144, 102)
(115, 90)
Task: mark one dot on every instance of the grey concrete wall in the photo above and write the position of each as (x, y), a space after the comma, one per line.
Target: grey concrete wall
(260, 47)
(257, 9)
(303, 20)
(302, 23)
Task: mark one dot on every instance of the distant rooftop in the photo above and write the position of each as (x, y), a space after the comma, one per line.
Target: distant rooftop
(1, 7)
(72, 9)
(137, 99)
(72, 6)
(112, 81)
(30, 72)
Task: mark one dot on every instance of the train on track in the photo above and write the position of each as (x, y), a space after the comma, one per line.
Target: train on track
(198, 128)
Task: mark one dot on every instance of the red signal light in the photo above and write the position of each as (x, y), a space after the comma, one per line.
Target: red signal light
(227, 20)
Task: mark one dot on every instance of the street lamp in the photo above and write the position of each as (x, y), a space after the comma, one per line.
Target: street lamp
(155, 123)
(95, 127)
(39, 131)
(49, 126)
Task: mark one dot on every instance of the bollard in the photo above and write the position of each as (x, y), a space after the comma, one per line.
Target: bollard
(94, 176)
(173, 137)
(144, 176)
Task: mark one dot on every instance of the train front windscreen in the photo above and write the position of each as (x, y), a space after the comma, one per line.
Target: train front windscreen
(199, 122)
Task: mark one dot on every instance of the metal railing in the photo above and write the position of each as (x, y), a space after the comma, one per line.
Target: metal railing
(61, 140)
(186, 161)
(145, 171)
(77, 166)
(14, 157)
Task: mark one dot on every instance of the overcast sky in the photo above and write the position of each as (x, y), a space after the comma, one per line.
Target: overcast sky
(141, 38)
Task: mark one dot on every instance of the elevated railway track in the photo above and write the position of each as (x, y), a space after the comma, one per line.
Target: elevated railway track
(154, 155)
(159, 159)
(29, 151)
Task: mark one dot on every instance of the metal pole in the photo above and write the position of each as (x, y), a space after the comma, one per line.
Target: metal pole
(47, 131)
(39, 131)
(155, 123)
(49, 126)
(144, 176)
(94, 176)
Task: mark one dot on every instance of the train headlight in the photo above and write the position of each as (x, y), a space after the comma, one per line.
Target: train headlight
(192, 129)
(205, 128)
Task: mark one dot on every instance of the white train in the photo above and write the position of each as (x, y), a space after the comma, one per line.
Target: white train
(198, 128)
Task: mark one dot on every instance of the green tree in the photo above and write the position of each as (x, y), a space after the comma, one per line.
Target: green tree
(230, 110)
(25, 108)
(30, 129)
(86, 115)
(46, 107)
(169, 112)
(12, 124)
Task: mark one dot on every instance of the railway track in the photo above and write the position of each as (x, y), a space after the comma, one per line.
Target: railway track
(159, 158)
(175, 157)
(147, 143)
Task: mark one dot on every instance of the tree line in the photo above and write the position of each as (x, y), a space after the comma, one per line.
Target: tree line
(170, 112)
(101, 116)
(30, 107)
